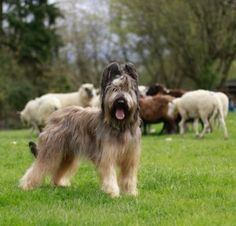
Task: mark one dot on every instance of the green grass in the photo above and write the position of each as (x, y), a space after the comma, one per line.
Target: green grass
(184, 181)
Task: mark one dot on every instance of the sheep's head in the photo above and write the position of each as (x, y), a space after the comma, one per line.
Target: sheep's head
(172, 109)
(87, 91)
(24, 119)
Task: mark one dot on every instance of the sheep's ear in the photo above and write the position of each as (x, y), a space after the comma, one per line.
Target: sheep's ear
(129, 68)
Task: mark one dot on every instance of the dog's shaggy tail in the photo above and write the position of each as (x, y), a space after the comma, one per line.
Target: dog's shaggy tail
(33, 148)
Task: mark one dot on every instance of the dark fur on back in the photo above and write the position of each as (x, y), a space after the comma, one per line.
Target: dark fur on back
(160, 89)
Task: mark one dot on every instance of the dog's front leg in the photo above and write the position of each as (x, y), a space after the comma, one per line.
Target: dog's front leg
(108, 177)
(128, 173)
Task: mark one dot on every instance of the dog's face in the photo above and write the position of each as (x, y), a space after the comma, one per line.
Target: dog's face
(119, 94)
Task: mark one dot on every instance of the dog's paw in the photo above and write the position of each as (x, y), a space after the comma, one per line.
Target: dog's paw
(133, 193)
(114, 194)
(26, 186)
(64, 183)
(112, 191)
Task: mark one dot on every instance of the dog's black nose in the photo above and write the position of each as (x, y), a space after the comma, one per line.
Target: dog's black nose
(121, 101)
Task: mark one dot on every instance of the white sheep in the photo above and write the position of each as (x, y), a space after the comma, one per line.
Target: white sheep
(46, 106)
(27, 115)
(199, 104)
(143, 90)
(81, 98)
(37, 111)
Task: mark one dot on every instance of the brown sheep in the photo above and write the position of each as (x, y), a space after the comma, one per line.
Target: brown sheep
(154, 109)
(160, 89)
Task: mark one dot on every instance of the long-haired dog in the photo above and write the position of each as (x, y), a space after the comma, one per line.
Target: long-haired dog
(109, 137)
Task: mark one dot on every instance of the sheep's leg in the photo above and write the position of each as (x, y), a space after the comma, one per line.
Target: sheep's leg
(212, 120)
(164, 129)
(171, 126)
(205, 128)
(195, 127)
(181, 125)
(144, 128)
(223, 125)
(35, 128)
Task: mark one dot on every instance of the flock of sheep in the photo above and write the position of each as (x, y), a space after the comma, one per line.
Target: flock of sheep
(176, 107)
(172, 107)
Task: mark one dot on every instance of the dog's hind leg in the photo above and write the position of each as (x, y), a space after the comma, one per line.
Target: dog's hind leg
(33, 176)
(65, 171)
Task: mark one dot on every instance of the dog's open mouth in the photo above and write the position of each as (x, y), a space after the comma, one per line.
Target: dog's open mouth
(120, 114)
(120, 109)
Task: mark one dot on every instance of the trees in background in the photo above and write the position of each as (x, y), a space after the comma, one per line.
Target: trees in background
(180, 42)
(56, 47)
(89, 42)
(28, 46)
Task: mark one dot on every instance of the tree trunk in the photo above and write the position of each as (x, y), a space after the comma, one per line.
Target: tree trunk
(1, 17)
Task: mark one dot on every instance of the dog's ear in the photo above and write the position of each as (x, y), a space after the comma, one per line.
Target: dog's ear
(129, 68)
(109, 73)
(113, 70)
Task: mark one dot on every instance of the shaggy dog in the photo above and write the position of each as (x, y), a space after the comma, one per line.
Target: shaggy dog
(109, 137)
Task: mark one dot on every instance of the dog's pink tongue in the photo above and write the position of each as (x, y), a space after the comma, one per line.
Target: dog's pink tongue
(120, 115)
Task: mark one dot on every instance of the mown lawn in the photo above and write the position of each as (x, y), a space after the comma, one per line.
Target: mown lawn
(182, 181)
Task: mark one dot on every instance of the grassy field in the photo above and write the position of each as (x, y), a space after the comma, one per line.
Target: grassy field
(182, 181)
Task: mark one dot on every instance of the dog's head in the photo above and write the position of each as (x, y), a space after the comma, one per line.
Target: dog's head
(119, 94)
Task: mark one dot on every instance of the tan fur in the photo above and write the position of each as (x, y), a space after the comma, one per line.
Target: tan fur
(76, 132)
